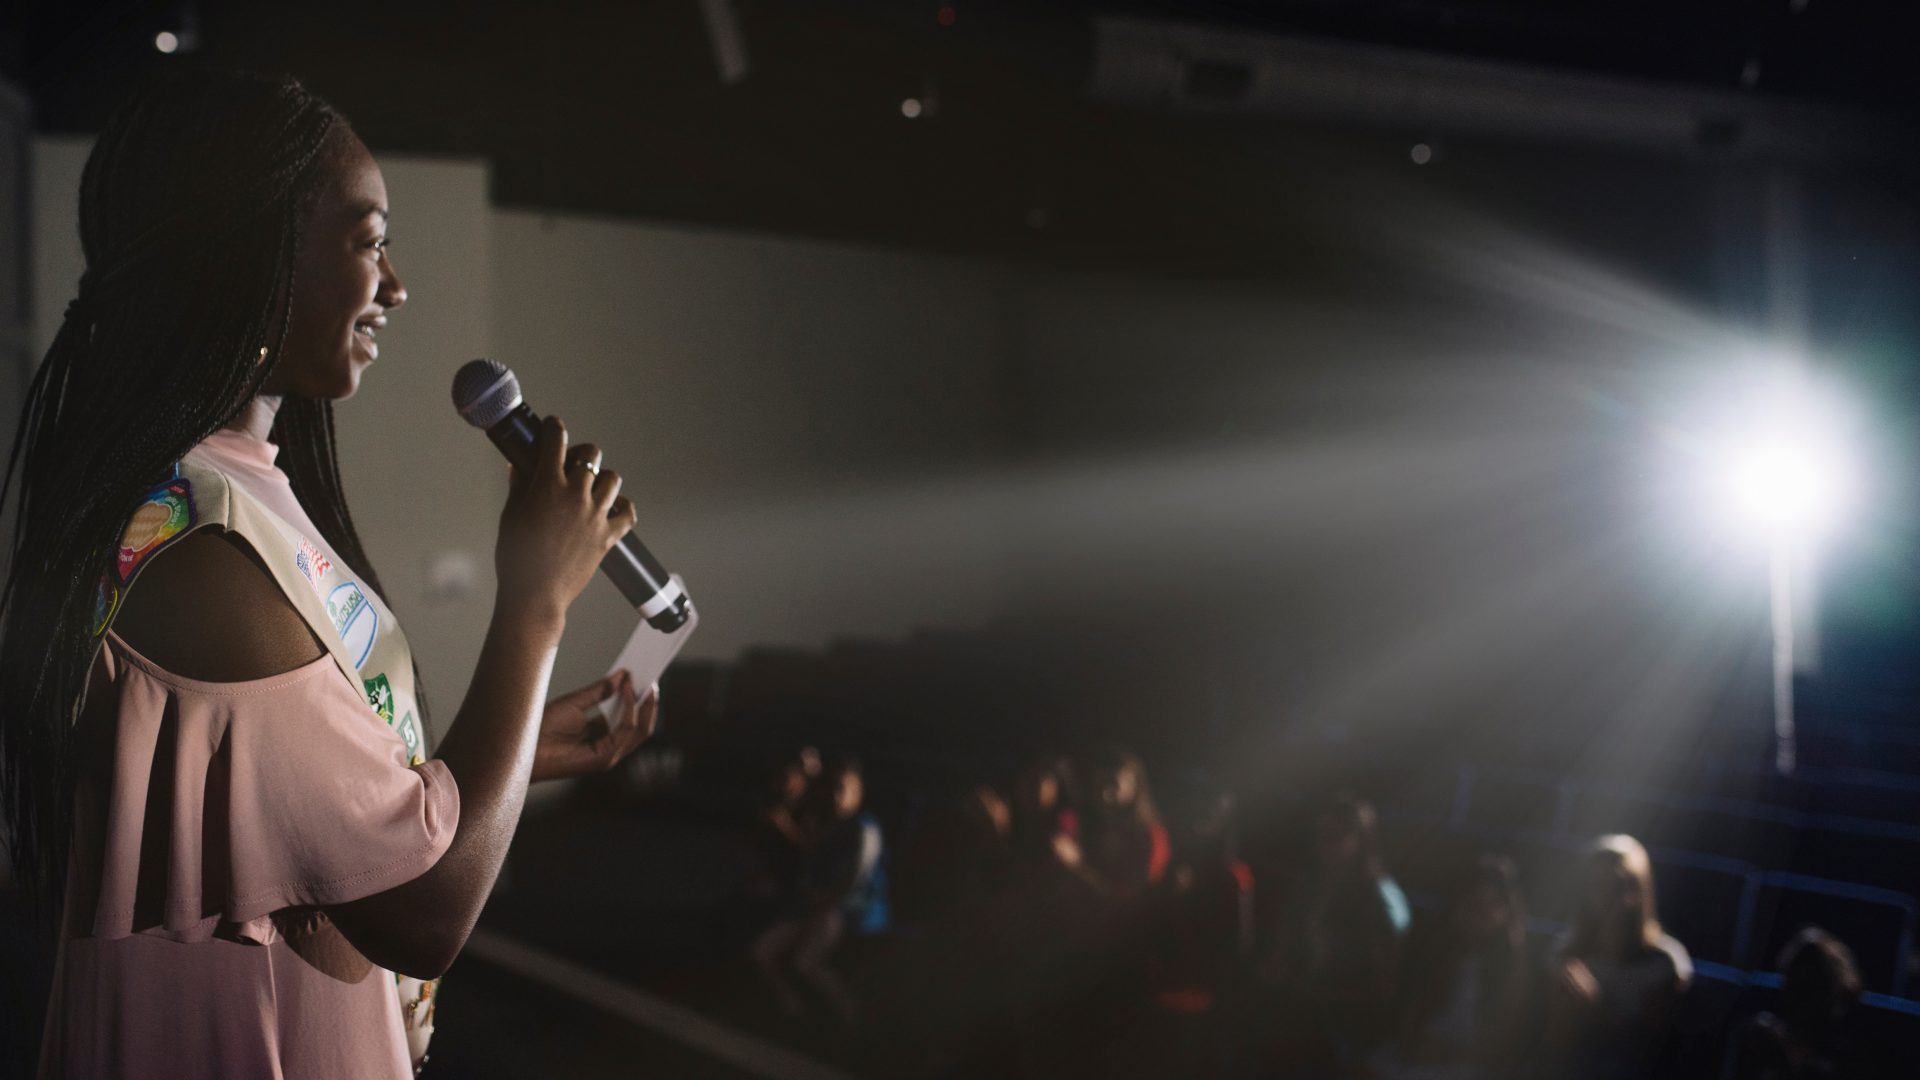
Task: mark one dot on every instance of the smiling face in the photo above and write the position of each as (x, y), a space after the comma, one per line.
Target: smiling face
(344, 281)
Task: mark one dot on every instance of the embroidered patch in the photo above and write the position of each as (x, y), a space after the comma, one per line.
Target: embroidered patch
(380, 696)
(409, 729)
(163, 517)
(354, 620)
(312, 564)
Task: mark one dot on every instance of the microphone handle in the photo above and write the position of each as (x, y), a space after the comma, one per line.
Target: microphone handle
(639, 576)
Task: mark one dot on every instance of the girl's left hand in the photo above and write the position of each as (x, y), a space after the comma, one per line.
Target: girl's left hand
(574, 741)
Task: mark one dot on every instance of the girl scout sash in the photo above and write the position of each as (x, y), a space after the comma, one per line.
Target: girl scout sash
(361, 635)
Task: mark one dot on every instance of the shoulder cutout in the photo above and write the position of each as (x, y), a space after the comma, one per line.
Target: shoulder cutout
(206, 609)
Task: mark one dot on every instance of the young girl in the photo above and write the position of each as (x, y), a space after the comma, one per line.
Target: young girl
(213, 744)
(1614, 985)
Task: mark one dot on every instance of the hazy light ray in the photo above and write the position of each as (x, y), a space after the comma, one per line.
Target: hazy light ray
(1686, 656)
(1382, 683)
(1296, 493)
(1466, 246)
(1551, 421)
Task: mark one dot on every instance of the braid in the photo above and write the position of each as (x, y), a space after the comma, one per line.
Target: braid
(191, 212)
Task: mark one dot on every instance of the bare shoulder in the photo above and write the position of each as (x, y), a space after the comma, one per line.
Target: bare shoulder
(206, 609)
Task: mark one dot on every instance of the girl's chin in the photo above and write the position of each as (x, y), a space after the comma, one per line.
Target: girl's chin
(347, 382)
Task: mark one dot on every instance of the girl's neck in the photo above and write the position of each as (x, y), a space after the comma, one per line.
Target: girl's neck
(256, 418)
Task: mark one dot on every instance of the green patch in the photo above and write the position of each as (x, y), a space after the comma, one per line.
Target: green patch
(410, 733)
(380, 696)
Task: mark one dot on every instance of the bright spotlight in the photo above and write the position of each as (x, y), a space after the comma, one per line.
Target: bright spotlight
(1788, 484)
(1780, 464)
(166, 41)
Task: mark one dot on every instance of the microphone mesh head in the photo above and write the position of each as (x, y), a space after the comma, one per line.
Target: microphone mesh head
(485, 391)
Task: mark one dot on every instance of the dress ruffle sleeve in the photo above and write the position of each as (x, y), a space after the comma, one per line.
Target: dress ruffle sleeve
(218, 807)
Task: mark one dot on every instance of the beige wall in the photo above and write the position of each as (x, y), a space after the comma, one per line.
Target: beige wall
(780, 410)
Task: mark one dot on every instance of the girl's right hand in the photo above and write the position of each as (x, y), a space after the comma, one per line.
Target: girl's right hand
(559, 522)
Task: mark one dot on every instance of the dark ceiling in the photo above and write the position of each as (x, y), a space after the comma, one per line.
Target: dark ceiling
(619, 109)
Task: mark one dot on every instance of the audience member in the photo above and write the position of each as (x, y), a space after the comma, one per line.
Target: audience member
(842, 859)
(788, 900)
(1201, 942)
(1465, 986)
(1044, 808)
(1615, 983)
(1123, 848)
(953, 893)
(1206, 910)
(1333, 943)
(780, 837)
(854, 838)
(1806, 1038)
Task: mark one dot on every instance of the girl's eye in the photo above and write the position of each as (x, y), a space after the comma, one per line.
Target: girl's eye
(380, 245)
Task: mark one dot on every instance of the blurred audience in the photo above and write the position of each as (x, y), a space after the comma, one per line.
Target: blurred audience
(818, 853)
(856, 851)
(1466, 985)
(1044, 805)
(1206, 913)
(1333, 940)
(1614, 985)
(1122, 848)
(1201, 942)
(1056, 925)
(1805, 1039)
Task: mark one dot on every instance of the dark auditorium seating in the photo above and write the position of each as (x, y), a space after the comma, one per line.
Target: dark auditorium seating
(1713, 1007)
(1880, 799)
(1707, 902)
(1874, 794)
(1751, 832)
(1888, 1031)
(1878, 925)
(1860, 749)
(1885, 855)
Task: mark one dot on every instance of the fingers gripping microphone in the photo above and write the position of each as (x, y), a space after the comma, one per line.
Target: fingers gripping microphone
(488, 396)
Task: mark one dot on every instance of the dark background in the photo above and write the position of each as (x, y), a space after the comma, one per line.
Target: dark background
(1640, 135)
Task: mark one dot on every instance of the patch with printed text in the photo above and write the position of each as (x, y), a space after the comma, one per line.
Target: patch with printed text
(354, 619)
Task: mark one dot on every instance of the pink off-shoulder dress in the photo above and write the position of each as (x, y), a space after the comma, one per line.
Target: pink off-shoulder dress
(214, 823)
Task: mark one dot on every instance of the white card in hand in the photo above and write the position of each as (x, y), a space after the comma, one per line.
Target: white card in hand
(646, 656)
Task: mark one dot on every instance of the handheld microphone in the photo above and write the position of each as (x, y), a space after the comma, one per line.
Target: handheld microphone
(487, 395)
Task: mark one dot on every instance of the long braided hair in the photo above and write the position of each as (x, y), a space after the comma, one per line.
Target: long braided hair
(191, 211)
